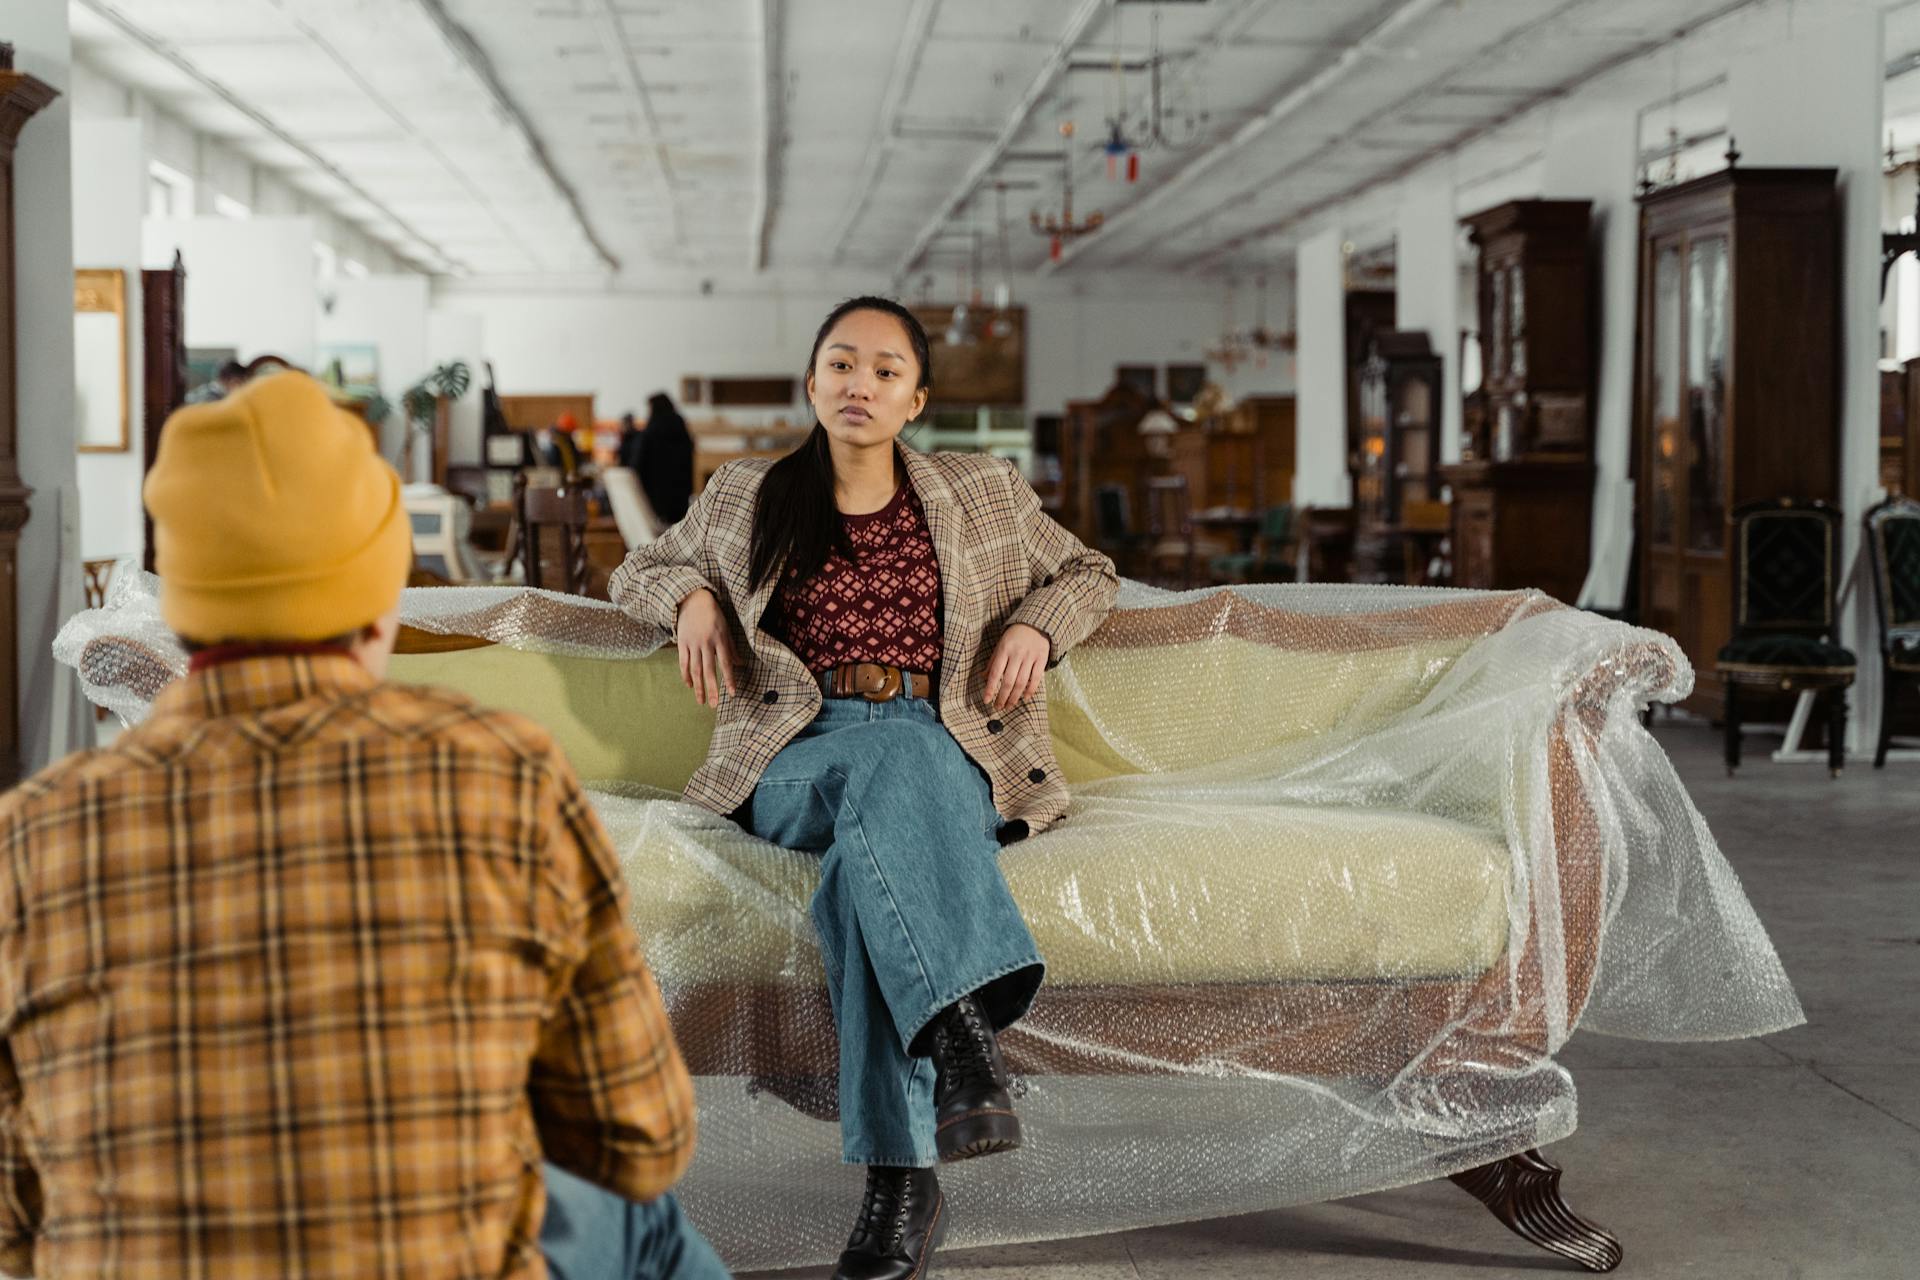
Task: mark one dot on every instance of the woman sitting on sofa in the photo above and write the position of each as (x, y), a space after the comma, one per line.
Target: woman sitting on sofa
(873, 626)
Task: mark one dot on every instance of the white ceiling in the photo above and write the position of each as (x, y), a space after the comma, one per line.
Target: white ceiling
(563, 137)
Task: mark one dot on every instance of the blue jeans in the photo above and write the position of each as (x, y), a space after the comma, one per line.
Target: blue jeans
(592, 1234)
(912, 912)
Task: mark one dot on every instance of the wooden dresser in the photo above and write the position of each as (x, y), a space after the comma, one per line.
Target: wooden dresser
(1523, 491)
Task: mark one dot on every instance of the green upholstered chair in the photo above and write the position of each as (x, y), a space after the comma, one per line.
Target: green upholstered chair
(1785, 571)
(1893, 556)
(1271, 559)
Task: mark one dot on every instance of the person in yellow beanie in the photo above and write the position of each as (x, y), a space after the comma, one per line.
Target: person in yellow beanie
(313, 974)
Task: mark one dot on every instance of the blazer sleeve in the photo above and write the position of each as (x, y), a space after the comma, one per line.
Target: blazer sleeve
(652, 581)
(1072, 585)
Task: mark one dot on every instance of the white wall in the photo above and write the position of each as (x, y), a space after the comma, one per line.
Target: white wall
(1427, 290)
(250, 285)
(109, 186)
(48, 582)
(1320, 455)
(1813, 96)
(389, 312)
(1593, 159)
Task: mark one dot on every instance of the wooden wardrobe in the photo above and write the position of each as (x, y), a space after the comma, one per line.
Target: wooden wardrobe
(1737, 393)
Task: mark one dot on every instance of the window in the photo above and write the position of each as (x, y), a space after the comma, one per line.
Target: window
(227, 207)
(169, 192)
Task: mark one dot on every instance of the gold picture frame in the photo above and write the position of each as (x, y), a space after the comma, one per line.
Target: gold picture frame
(101, 380)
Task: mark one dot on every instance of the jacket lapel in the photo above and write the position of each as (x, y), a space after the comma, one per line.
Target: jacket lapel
(945, 522)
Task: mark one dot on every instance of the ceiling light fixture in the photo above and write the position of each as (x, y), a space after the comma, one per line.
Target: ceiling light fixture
(1063, 228)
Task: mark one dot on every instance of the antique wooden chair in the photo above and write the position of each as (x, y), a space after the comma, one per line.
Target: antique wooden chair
(1786, 568)
(1174, 548)
(1893, 556)
(561, 513)
(1272, 556)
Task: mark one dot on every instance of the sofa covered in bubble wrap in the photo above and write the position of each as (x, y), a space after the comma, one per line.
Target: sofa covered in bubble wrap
(1344, 868)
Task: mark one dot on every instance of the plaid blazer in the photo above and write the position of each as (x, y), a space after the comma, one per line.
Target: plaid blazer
(1002, 560)
(303, 976)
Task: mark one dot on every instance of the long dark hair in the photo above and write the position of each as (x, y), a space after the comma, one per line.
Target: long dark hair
(795, 518)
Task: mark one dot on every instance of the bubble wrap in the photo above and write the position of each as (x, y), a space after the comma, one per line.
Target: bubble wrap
(1344, 867)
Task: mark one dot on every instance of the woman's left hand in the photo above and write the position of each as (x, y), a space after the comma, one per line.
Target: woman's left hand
(1018, 668)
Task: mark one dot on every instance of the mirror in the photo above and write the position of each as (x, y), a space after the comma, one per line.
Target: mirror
(100, 360)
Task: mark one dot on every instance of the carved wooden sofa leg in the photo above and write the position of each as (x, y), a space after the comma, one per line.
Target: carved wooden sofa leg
(1523, 1191)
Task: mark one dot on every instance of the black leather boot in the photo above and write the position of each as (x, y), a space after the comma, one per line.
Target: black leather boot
(972, 1114)
(901, 1222)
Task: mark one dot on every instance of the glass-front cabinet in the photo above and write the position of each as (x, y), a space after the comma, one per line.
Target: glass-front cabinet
(1738, 393)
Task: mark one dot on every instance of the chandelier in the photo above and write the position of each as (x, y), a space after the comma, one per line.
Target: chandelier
(1062, 228)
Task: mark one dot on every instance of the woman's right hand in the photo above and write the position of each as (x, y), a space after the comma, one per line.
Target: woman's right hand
(706, 647)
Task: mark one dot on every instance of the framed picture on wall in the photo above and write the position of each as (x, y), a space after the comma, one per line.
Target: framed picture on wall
(100, 359)
(354, 367)
(690, 389)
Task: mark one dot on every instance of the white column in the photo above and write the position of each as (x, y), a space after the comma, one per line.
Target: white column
(43, 264)
(1813, 97)
(1320, 439)
(1592, 158)
(109, 196)
(1427, 290)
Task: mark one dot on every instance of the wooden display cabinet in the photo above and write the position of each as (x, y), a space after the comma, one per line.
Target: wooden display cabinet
(1523, 490)
(1738, 384)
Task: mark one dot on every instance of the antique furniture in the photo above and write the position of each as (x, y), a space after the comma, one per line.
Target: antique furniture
(530, 413)
(163, 342)
(632, 513)
(556, 517)
(1269, 420)
(1175, 547)
(1523, 489)
(1113, 531)
(1398, 462)
(1738, 384)
(103, 412)
(1786, 571)
(21, 96)
(717, 442)
(1272, 556)
(1101, 444)
(1893, 559)
(1900, 429)
(440, 523)
(1365, 313)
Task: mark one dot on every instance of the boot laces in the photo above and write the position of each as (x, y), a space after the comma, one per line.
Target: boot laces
(969, 1048)
(884, 1210)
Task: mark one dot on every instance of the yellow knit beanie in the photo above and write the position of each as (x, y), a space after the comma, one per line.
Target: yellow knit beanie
(274, 517)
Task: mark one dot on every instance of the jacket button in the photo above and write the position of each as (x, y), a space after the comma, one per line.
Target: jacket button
(994, 726)
(770, 696)
(1037, 775)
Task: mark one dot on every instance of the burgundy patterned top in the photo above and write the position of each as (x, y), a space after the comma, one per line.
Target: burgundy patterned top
(884, 606)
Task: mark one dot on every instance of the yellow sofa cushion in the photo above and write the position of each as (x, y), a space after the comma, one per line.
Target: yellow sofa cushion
(1119, 893)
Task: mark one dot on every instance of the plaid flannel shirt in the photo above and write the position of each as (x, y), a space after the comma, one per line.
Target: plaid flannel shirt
(303, 977)
(1002, 560)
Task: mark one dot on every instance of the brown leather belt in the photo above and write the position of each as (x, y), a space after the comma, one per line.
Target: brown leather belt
(874, 681)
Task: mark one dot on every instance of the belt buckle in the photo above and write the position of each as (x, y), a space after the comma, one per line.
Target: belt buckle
(889, 688)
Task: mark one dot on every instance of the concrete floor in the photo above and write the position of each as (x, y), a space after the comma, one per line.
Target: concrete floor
(1794, 1156)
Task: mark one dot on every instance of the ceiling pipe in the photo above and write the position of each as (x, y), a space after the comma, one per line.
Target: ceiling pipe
(774, 118)
(906, 61)
(179, 62)
(1083, 19)
(1181, 180)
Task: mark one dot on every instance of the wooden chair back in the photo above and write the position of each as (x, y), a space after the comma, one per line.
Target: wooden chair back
(562, 514)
